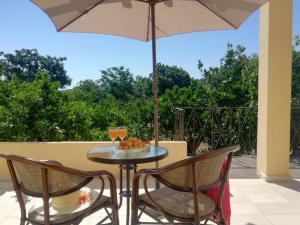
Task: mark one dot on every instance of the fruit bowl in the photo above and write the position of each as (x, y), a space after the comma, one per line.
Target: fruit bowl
(132, 144)
(141, 149)
(133, 152)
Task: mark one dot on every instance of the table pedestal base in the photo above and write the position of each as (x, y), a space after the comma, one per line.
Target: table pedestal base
(126, 193)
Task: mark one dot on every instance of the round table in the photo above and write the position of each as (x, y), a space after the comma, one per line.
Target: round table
(128, 160)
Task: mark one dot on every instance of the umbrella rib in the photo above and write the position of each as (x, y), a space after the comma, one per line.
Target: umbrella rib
(217, 14)
(148, 24)
(79, 16)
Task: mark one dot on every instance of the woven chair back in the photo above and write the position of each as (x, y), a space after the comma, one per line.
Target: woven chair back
(30, 177)
(208, 171)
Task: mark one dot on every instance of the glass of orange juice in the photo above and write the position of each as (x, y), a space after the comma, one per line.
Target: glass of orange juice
(113, 133)
(122, 133)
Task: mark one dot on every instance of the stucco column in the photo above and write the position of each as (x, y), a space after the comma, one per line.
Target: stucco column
(274, 90)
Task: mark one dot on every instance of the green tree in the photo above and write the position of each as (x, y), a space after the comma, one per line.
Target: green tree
(235, 81)
(170, 76)
(2, 66)
(25, 63)
(142, 87)
(117, 81)
(77, 122)
(198, 94)
(30, 111)
(88, 91)
(296, 72)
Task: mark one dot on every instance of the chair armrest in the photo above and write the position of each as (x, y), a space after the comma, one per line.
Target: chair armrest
(111, 179)
(137, 175)
(135, 187)
(136, 181)
(53, 162)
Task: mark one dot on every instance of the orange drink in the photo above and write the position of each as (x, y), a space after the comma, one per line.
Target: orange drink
(113, 133)
(122, 133)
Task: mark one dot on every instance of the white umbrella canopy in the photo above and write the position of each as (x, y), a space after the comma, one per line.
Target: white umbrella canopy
(147, 20)
(132, 18)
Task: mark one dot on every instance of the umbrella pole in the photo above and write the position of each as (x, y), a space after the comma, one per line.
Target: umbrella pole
(154, 73)
(155, 81)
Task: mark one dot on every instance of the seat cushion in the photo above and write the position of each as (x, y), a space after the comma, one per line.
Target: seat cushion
(179, 204)
(68, 213)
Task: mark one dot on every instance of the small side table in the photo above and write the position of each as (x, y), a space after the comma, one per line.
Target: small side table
(128, 161)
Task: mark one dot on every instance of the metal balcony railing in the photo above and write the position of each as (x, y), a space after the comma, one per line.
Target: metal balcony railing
(210, 128)
(295, 132)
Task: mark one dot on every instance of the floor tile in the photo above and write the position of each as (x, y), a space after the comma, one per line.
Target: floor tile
(267, 198)
(10, 221)
(239, 198)
(278, 209)
(244, 209)
(293, 198)
(250, 220)
(284, 219)
(258, 190)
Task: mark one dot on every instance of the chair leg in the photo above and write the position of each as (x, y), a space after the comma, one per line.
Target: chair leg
(115, 215)
(134, 215)
(222, 220)
(22, 221)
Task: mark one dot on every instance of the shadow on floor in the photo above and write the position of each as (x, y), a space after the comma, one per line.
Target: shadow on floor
(6, 189)
(292, 184)
(250, 173)
(245, 173)
(5, 186)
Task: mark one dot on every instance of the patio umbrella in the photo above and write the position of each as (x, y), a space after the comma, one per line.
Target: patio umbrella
(147, 20)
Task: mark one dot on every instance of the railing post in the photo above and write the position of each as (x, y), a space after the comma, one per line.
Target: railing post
(179, 124)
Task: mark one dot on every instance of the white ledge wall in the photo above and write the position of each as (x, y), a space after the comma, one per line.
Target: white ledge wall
(73, 154)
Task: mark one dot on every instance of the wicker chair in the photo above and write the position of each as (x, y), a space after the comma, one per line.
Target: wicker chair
(50, 179)
(183, 198)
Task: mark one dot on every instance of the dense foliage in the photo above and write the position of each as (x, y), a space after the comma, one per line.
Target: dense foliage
(26, 63)
(34, 108)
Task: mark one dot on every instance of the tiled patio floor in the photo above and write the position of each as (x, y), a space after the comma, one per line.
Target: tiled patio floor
(253, 201)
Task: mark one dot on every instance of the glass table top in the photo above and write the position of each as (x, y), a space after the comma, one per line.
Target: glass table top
(113, 155)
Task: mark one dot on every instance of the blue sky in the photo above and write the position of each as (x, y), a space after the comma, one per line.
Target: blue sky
(23, 25)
